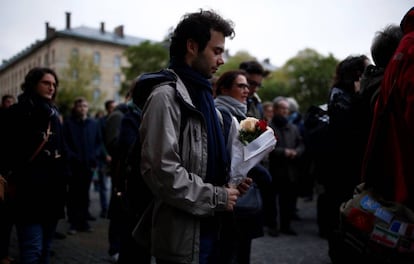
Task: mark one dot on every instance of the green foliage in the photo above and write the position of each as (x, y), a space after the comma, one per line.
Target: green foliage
(276, 84)
(310, 76)
(75, 81)
(233, 62)
(146, 57)
(305, 77)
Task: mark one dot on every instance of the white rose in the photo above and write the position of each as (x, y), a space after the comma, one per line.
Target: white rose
(249, 124)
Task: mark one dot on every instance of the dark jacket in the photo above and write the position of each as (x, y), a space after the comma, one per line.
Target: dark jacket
(37, 187)
(284, 169)
(84, 141)
(111, 129)
(138, 195)
(346, 149)
(370, 86)
(254, 106)
(365, 101)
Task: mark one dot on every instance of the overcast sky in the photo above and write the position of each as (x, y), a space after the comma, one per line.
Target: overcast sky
(274, 29)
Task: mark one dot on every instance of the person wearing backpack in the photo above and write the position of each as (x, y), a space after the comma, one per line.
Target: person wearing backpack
(183, 158)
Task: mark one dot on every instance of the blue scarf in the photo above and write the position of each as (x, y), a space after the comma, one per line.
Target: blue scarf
(200, 91)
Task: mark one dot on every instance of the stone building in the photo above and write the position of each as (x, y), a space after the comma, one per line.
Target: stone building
(106, 48)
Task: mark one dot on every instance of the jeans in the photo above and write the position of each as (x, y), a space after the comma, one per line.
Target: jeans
(206, 249)
(35, 241)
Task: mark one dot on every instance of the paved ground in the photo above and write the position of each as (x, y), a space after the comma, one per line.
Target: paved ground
(91, 248)
(306, 248)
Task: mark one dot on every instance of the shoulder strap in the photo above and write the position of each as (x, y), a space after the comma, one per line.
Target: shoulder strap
(147, 81)
(45, 139)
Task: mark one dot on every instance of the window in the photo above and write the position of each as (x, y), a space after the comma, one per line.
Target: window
(97, 58)
(96, 94)
(53, 56)
(46, 63)
(96, 80)
(75, 74)
(117, 61)
(75, 52)
(117, 97)
(117, 80)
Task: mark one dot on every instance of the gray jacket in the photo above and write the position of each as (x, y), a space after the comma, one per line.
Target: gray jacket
(174, 164)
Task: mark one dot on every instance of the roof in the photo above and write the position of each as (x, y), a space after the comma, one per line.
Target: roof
(81, 32)
(96, 34)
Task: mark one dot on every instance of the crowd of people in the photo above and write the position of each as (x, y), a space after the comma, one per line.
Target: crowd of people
(166, 152)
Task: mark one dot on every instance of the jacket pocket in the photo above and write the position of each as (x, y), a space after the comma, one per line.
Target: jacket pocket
(173, 234)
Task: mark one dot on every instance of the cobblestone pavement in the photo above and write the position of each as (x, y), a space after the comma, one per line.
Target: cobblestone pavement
(91, 248)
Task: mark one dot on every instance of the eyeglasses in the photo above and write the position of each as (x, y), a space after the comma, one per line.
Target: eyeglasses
(242, 85)
(253, 84)
(48, 83)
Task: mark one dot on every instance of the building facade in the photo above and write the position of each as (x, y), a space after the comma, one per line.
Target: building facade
(105, 48)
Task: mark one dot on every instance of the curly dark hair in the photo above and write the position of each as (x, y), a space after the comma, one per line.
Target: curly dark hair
(197, 26)
(33, 77)
(349, 71)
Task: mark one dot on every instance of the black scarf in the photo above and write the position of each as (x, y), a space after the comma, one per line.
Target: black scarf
(200, 91)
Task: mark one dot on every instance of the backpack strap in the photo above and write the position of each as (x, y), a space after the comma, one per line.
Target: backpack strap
(146, 83)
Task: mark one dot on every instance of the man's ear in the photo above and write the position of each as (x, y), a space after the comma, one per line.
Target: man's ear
(192, 47)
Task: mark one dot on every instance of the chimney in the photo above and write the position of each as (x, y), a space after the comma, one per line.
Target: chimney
(68, 20)
(119, 31)
(102, 27)
(49, 30)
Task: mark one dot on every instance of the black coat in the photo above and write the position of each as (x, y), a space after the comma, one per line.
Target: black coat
(285, 170)
(37, 186)
(346, 143)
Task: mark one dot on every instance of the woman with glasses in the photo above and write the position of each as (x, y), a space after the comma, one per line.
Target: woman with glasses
(232, 93)
(32, 159)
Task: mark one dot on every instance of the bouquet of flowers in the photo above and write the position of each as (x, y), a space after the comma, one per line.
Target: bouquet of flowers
(251, 141)
(250, 129)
